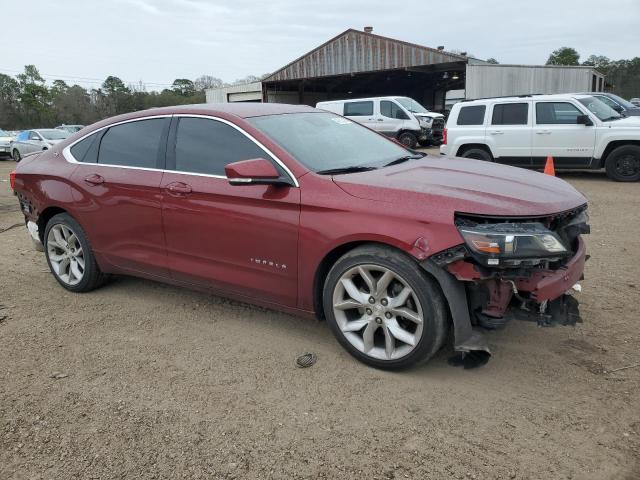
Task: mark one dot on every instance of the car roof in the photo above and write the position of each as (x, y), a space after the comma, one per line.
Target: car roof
(522, 98)
(389, 97)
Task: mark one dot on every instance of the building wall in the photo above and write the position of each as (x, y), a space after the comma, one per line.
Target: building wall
(502, 80)
(235, 93)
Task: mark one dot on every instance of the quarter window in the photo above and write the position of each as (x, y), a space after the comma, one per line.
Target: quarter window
(471, 115)
(83, 152)
(562, 113)
(358, 109)
(510, 114)
(206, 146)
(392, 110)
(133, 144)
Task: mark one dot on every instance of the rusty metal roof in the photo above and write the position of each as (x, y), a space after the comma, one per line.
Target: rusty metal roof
(354, 51)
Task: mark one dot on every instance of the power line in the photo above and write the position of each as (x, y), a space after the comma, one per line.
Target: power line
(84, 79)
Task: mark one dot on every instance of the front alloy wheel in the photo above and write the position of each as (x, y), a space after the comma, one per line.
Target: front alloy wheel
(378, 312)
(383, 308)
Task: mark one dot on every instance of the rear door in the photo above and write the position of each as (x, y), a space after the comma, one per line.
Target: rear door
(557, 133)
(118, 193)
(238, 239)
(364, 112)
(510, 132)
(34, 142)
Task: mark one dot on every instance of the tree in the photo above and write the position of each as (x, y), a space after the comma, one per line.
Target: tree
(114, 97)
(247, 79)
(599, 62)
(564, 56)
(205, 82)
(492, 61)
(183, 86)
(33, 96)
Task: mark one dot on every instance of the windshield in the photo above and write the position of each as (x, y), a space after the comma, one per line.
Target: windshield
(4, 134)
(622, 101)
(411, 105)
(600, 109)
(54, 134)
(324, 141)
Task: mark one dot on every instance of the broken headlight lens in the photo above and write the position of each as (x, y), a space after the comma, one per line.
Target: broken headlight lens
(494, 242)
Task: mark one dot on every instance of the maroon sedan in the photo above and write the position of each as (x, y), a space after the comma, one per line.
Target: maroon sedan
(305, 211)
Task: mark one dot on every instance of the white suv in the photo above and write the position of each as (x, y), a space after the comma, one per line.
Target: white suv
(578, 131)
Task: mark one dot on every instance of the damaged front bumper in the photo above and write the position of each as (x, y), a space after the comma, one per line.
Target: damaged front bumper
(484, 297)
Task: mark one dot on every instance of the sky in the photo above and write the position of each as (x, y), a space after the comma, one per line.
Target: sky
(157, 41)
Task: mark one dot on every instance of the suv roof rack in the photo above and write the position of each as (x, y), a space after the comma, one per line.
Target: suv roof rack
(503, 96)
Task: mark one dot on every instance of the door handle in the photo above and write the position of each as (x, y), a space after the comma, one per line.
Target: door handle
(381, 119)
(497, 132)
(94, 179)
(179, 188)
(543, 132)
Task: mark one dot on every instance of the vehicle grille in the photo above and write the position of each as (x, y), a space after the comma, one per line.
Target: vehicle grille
(438, 124)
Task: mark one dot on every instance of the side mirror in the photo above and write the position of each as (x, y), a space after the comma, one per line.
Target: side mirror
(256, 171)
(584, 120)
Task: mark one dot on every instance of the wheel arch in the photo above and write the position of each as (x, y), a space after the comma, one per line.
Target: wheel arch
(333, 255)
(468, 146)
(46, 215)
(612, 145)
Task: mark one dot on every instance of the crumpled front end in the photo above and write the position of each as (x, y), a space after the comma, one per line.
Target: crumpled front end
(515, 267)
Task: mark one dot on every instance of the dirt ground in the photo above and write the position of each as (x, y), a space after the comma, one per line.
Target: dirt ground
(158, 382)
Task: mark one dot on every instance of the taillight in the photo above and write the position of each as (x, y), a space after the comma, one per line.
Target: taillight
(444, 136)
(12, 180)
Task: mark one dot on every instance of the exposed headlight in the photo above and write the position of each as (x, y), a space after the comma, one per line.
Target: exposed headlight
(426, 121)
(495, 242)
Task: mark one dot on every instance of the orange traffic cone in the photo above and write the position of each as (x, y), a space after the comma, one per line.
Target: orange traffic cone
(548, 168)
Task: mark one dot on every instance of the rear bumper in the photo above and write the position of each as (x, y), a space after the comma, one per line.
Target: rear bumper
(35, 236)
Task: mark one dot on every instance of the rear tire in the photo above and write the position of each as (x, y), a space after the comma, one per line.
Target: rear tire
(408, 139)
(69, 255)
(16, 155)
(384, 309)
(477, 154)
(623, 164)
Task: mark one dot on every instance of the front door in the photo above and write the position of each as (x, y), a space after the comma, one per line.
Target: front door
(510, 133)
(118, 194)
(391, 119)
(557, 133)
(239, 239)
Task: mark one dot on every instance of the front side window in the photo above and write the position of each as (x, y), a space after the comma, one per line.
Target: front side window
(324, 141)
(471, 115)
(556, 113)
(392, 110)
(206, 146)
(510, 114)
(133, 144)
(358, 109)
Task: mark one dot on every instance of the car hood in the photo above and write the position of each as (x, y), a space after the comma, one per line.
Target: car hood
(627, 122)
(446, 185)
(5, 140)
(429, 115)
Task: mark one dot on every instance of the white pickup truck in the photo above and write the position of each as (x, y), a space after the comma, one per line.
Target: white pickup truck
(578, 131)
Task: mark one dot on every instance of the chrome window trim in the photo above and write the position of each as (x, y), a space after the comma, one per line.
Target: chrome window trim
(68, 156)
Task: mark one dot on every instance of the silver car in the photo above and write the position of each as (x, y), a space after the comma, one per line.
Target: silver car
(5, 143)
(30, 141)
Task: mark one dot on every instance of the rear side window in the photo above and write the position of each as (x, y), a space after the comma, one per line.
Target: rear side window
(561, 113)
(83, 151)
(510, 114)
(22, 136)
(392, 110)
(133, 144)
(358, 109)
(471, 115)
(206, 146)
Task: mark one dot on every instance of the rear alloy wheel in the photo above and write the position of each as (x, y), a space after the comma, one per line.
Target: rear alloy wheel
(623, 164)
(69, 255)
(383, 309)
(408, 139)
(477, 154)
(16, 155)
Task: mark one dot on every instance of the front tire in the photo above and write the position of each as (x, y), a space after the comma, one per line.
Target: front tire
(69, 255)
(383, 309)
(623, 164)
(408, 139)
